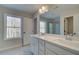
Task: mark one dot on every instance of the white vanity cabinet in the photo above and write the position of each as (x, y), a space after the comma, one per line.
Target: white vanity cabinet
(56, 49)
(50, 52)
(34, 45)
(37, 46)
(43, 47)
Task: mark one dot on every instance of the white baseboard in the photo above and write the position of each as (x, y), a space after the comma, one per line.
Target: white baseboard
(13, 47)
(4, 49)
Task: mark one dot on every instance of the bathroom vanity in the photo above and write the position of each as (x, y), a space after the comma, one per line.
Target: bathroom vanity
(50, 44)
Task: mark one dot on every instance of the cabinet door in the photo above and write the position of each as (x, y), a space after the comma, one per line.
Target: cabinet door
(41, 52)
(49, 52)
(34, 45)
(41, 47)
(57, 50)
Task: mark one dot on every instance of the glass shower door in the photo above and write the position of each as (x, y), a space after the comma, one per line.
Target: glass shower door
(50, 28)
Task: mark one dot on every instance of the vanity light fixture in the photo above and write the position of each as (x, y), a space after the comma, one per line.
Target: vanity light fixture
(43, 9)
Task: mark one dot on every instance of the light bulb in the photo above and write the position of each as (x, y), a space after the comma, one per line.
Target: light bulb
(40, 11)
(43, 7)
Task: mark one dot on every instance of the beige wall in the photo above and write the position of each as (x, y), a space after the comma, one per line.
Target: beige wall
(14, 12)
(76, 24)
(67, 13)
(5, 44)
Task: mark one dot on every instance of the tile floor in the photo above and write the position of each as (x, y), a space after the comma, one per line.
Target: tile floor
(17, 51)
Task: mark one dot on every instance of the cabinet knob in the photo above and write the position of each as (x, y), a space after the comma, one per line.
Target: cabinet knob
(24, 32)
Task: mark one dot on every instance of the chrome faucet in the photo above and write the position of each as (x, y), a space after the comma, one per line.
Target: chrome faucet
(69, 36)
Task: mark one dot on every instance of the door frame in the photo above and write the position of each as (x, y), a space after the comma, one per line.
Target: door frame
(65, 24)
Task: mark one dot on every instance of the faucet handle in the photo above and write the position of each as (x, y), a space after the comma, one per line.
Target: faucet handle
(74, 33)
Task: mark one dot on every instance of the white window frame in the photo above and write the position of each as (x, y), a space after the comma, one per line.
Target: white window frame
(5, 26)
(43, 28)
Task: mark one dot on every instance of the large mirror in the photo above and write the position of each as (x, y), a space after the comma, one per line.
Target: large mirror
(50, 23)
(61, 21)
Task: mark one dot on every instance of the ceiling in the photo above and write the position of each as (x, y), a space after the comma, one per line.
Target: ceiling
(32, 8)
(29, 8)
(53, 13)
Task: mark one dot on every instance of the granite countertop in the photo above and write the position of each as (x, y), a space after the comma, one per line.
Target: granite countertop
(60, 40)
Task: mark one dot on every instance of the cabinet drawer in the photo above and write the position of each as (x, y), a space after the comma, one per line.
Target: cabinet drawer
(41, 48)
(41, 52)
(34, 41)
(49, 52)
(57, 50)
(41, 45)
(41, 42)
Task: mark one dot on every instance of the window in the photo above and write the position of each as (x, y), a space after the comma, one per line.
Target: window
(42, 27)
(13, 27)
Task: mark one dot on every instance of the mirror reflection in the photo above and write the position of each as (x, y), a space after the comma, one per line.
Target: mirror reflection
(50, 23)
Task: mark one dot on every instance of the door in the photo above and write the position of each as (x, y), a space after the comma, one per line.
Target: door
(27, 29)
(50, 28)
(68, 25)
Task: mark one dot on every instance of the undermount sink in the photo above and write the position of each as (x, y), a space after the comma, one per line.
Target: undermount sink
(56, 37)
(68, 38)
(72, 38)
